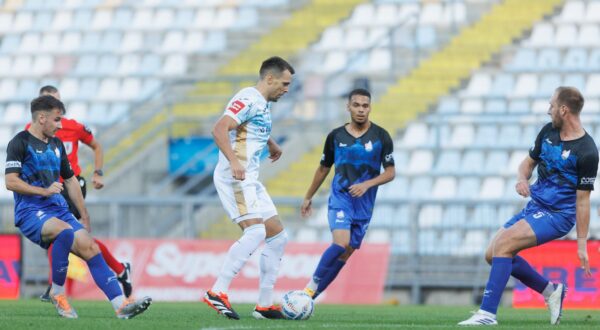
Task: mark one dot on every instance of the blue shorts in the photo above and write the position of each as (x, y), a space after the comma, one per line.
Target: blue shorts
(339, 219)
(30, 222)
(546, 225)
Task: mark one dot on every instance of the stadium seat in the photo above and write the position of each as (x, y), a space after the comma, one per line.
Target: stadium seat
(566, 35)
(486, 136)
(589, 35)
(468, 187)
(496, 106)
(496, 161)
(420, 162)
(444, 187)
(417, 134)
(547, 85)
(430, 216)
(472, 162)
(462, 135)
(448, 162)
(526, 85)
(492, 188)
(572, 12)
(448, 105)
(420, 187)
(548, 60)
(576, 80)
(593, 12)
(524, 60)
(479, 85)
(503, 84)
(454, 216)
(511, 136)
(542, 35)
(592, 88)
(472, 106)
(575, 60)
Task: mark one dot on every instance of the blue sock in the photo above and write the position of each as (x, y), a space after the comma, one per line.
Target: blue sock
(334, 270)
(60, 256)
(523, 271)
(499, 275)
(105, 279)
(328, 258)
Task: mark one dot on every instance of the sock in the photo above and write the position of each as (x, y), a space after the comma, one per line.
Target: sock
(49, 253)
(548, 290)
(57, 289)
(330, 255)
(523, 271)
(270, 260)
(238, 254)
(111, 261)
(60, 256)
(499, 275)
(105, 279)
(117, 302)
(334, 270)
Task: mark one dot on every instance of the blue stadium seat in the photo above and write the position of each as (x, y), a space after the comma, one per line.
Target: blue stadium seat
(575, 60)
(524, 60)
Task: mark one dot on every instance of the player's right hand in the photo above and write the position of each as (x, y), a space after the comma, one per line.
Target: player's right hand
(522, 188)
(306, 208)
(238, 171)
(55, 188)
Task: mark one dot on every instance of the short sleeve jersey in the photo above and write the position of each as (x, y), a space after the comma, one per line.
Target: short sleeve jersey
(356, 160)
(39, 164)
(563, 168)
(253, 114)
(70, 134)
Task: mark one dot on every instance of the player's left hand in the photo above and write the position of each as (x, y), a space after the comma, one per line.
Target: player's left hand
(583, 256)
(274, 151)
(97, 181)
(359, 189)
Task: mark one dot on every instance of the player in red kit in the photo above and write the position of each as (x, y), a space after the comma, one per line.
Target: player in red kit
(71, 133)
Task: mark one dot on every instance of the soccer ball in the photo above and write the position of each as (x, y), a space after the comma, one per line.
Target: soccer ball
(297, 305)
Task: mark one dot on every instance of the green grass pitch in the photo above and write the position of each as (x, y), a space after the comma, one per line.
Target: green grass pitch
(33, 314)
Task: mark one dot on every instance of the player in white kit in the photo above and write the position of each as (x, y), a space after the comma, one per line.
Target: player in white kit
(241, 135)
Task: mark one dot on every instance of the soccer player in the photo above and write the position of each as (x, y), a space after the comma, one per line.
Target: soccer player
(34, 162)
(567, 161)
(71, 133)
(241, 135)
(358, 149)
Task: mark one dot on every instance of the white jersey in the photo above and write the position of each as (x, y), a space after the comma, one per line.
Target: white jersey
(252, 112)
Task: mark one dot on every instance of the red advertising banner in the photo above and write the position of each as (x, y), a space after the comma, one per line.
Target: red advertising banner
(182, 270)
(10, 266)
(558, 262)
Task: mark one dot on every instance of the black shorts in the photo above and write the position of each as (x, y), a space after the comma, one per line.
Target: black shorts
(72, 207)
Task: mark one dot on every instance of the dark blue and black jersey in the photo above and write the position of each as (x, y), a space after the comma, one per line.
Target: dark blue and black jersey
(356, 160)
(563, 168)
(39, 164)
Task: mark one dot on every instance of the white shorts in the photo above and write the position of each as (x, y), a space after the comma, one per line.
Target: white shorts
(244, 200)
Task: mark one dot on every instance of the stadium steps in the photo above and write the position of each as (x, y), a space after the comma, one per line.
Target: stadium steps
(446, 69)
(431, 79)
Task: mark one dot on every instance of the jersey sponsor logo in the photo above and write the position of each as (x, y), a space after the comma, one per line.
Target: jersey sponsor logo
(236, 107)
(13, 164)
(548, 141)
(68, 147)
(389, 157)
(565, 154)
(589, 180)
(39, 214)
(369, 146)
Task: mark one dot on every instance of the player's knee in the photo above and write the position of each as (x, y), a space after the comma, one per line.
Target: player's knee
(279, 241)
(66, 234)
(257, 232)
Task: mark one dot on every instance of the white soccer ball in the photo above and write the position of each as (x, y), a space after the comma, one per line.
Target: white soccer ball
(297, 305)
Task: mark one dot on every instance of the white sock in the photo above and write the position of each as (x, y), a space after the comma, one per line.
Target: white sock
(57, 289)
(270, 260)
(548, 290)
(117, 302)
(312, 284)
(237, 256)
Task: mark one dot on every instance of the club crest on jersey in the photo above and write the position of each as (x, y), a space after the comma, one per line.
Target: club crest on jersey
(369, 146)
(57, 153)
(565, 154)
(236, 107)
